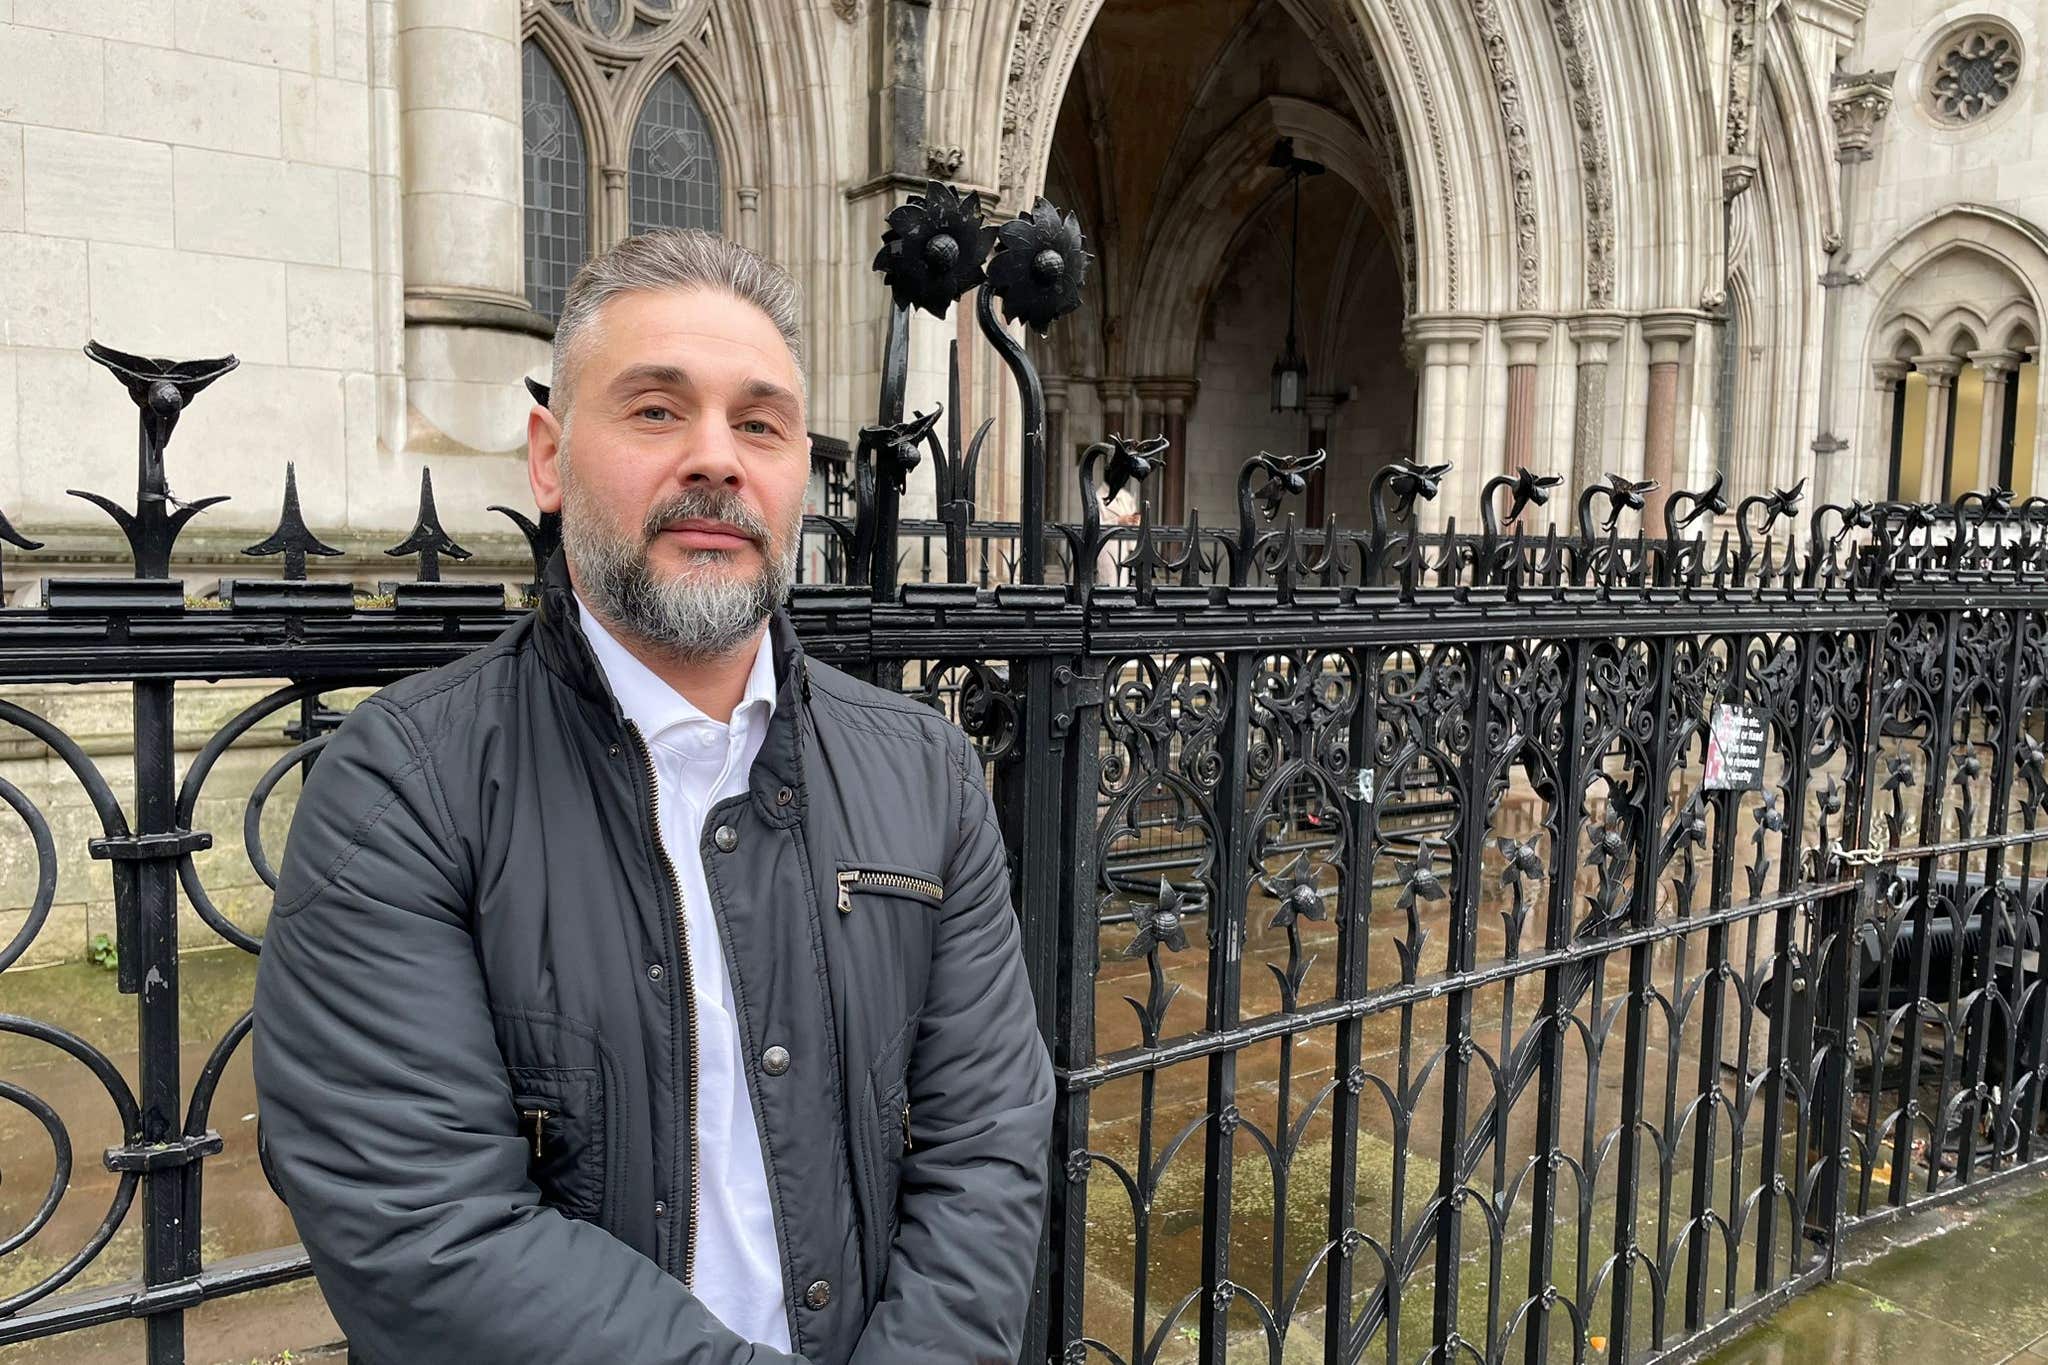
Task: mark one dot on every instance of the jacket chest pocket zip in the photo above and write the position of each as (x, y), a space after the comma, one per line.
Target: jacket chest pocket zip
(560, 1114)
(852, 879)
(539, 1119)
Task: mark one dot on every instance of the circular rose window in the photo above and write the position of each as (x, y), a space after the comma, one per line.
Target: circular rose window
(1975, 69)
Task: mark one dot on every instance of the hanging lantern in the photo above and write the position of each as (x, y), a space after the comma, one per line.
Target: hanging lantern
(1290, 371)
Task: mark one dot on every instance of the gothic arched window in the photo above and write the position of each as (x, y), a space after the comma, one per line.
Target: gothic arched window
(557, 169)
(674, 164)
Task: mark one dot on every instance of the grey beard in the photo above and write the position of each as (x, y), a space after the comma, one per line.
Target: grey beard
(690, 617)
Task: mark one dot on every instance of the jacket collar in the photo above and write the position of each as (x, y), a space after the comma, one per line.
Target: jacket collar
(566, 653)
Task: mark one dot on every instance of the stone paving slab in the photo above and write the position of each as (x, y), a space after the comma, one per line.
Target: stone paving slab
(1963, 1285)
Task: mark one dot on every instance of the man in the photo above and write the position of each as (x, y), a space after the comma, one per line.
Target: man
(638, 989)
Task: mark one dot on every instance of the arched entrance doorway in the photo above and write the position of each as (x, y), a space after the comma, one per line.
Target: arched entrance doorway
(1164, 144)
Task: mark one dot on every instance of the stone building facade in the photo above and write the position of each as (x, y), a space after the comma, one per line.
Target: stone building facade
(1782, 238)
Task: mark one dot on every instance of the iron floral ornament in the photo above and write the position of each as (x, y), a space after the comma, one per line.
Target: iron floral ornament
(1159, 925)
(1298, 892)
(933, 248)
(1039, 265)
(161, 389)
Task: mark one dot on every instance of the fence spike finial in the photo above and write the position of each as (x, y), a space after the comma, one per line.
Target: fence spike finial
(293, 538)
(427, 539)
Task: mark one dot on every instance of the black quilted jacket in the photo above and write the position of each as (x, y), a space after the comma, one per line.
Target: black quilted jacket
(472, 1041)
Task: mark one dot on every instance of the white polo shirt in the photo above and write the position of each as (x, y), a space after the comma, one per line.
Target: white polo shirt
(699, 762)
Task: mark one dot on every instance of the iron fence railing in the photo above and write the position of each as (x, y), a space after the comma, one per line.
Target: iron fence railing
(1505, 943)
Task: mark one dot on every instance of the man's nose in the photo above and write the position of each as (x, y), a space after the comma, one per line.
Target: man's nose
(711, 455)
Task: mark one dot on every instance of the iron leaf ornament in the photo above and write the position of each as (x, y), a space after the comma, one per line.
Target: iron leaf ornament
(1287, 476)
(933, 248)
(1525, 489)
(15, 538)
(1039, 264)
(1410, 483)
(1711, 500)
(1623, 494)
(1776, 505)
(899, 442)
(543, 538)
(1130, 462)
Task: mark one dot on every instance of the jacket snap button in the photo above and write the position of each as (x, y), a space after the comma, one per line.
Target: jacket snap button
(727, 838)
(775, 1060)
(819, 1294)
(654, 971)
(660, 1208)
(783, 796)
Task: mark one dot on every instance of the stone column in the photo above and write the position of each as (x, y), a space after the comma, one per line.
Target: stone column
(1857, 104)
(1162, 403)
(468, 330)
(1316, 506)
(1179, 396)
(1443, 343)
(749, 234)
(1940, 372)
(1524, 335)
(1061, 480)
(1114, 393)
(616, 203)
(2035, 393)
(1592, 334)
(1889, 374)
(1667, 335)
(1151, 422)
(1998, 369)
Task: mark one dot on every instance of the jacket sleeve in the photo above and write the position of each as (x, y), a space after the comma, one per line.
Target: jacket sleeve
(386, 1110)
(971, 1197)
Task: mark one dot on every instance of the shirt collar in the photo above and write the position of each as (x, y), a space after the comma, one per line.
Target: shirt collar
(654, 706)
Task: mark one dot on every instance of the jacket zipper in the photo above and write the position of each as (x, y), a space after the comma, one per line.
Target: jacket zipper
(675, 886)
(857, 876)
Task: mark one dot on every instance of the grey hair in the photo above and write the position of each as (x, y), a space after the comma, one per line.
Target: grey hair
(678, 259)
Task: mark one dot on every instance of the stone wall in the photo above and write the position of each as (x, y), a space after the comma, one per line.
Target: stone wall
(188, 178)
(1947, 246)
(100, 718)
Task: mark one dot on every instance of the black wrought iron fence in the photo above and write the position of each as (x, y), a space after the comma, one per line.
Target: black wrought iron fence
(1508, 943)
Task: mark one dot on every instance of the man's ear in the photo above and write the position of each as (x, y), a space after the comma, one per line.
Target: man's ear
(544, 458)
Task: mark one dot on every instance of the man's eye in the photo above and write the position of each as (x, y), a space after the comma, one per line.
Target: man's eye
(754, 426)
(656, 413)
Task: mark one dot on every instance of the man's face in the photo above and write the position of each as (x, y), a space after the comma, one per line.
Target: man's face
(681, 474)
